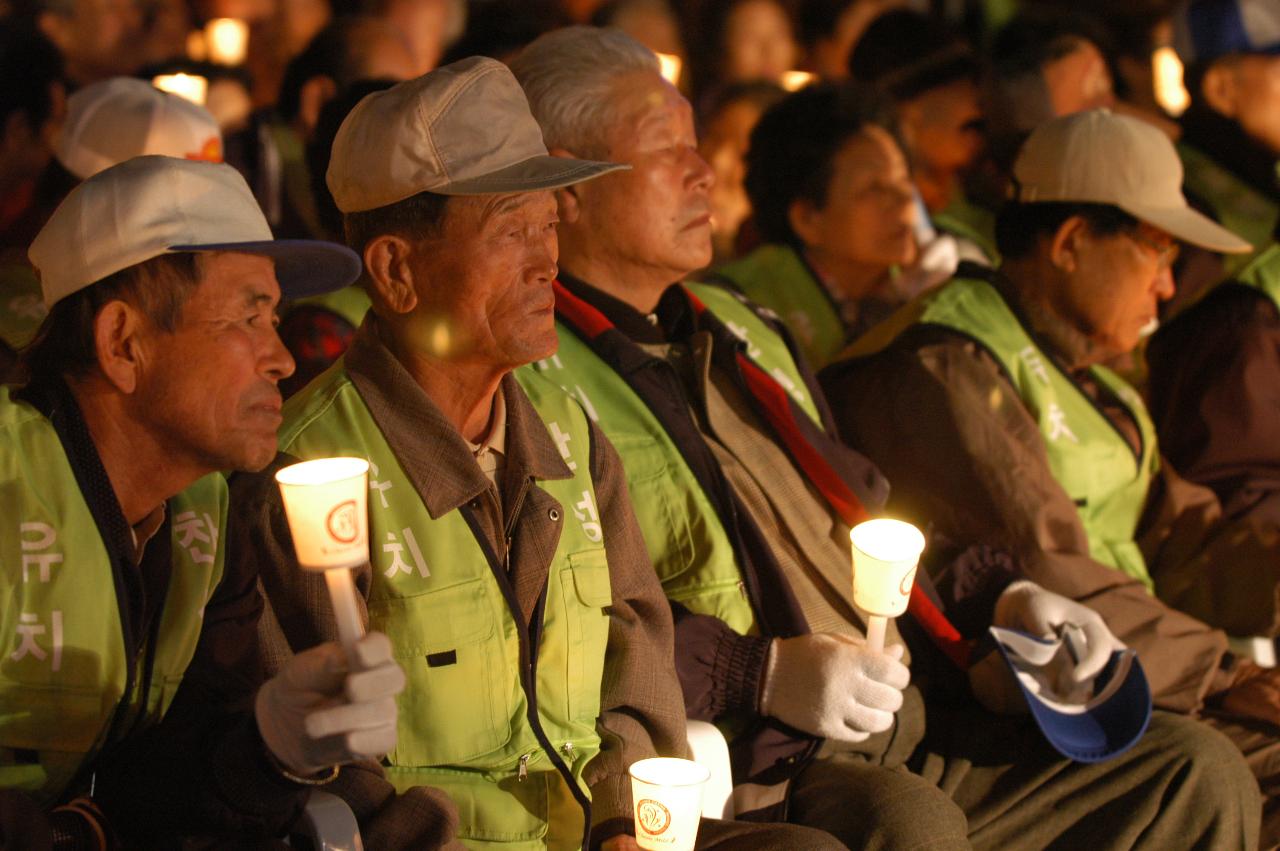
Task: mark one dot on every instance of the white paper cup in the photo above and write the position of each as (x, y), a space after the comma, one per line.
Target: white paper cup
(326, 503)
(667, 796)
(885, 555)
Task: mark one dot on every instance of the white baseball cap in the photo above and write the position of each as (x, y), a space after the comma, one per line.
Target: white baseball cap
(1096, 157)
(464, 129)
(154, 205)
(114, 120)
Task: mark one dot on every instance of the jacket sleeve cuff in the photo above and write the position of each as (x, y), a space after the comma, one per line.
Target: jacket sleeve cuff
(739, 670)
(246, 779)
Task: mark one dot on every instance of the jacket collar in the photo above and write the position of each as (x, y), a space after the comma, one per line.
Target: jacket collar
(433, 454)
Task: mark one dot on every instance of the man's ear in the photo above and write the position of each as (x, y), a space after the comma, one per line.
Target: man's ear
(1219, 89)
(805, 220)
(1065, 245)
(315, 93)
(117, 342)
(567, 198)
(386, 262)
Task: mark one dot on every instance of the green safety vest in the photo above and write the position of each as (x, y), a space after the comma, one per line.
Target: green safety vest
(350, 302)
(967, 220)
(1089, 458)
(688, 547)
(21, 301)
(63, 671)
(1243, 210)
(464, 719)
(775, 277)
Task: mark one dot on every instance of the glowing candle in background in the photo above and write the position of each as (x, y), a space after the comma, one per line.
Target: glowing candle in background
(226, 40)
(885, 555)
(326, 504)
(1166, 73)
(193, 87)
(670, 66)
(794, 81)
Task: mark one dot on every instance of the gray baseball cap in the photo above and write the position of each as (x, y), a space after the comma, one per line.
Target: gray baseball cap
(154, 205)
(1100, 158)
(464, 129)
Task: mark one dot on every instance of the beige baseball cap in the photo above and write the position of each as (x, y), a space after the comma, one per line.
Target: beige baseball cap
(1099, 158)
(114, 120)
(154, 205)
(463, 129)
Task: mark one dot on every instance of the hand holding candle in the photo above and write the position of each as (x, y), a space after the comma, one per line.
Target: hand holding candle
(326, 503)
(885, 555)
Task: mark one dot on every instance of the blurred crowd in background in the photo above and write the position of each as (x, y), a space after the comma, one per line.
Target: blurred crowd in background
(956, 83)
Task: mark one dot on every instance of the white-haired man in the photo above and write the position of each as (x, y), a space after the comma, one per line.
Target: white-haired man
(745, 498)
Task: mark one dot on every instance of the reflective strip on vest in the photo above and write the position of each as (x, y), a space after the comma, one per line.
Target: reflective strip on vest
(1089, 458)
(773, 276)
(63, 669)
(463, 719)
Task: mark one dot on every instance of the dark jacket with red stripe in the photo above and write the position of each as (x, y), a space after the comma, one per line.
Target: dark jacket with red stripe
(768, 752)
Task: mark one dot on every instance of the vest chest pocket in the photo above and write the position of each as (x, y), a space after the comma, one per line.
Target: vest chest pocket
(460, 691)
(586, 592)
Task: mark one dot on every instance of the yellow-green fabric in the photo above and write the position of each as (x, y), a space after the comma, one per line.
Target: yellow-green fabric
(775, 277)
(1239, 208)
(64, 668)
(967, 220)
(351, 303)
(21, 301)
(686, 542)
(1089, 458)
(465, 720)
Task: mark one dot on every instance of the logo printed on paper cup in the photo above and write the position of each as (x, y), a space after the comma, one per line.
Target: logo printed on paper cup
(653, 816)
(907, 580)
(341, 522)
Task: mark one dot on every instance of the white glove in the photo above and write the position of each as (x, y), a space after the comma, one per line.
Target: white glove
(832, 686)
(315, 714)
(1026, 606)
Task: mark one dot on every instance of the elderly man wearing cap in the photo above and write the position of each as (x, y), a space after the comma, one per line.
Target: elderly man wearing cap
(127, 636)
(106, 123)
(988, 405)
(507, 567)
(1214, 382)
(745, 499)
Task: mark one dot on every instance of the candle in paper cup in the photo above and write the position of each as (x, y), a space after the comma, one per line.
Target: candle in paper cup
(667, 796)
(325, 502)
(885, 555)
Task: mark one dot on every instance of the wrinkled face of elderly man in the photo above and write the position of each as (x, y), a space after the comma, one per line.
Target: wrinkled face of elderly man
(658, 213)
(476, 289)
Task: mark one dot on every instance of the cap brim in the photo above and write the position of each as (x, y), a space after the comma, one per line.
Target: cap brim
(1102, 731)
(531, 175)
(1191, 226)
(304, 267)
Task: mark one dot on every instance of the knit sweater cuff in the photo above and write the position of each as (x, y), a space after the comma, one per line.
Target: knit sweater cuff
(739, 668)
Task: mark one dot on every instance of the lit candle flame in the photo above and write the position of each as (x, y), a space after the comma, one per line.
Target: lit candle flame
(227, 40)
(794, 81)
(1166, 71)
(193, 87)
(670, 65)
